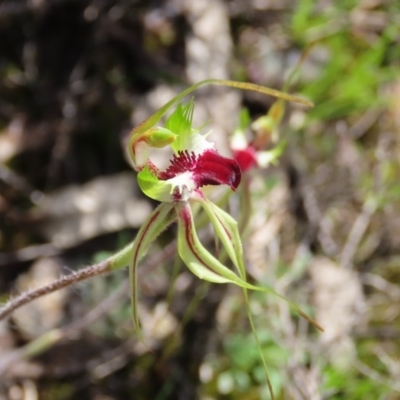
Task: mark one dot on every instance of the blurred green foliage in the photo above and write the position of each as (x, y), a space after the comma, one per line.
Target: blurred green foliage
(352, 78)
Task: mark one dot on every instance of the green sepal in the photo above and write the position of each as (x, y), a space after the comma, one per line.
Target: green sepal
(155, 118)
(155, 223)
(227, 230)
(194, 255)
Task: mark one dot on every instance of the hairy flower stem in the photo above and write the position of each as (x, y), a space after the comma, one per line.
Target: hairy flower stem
(117, 261)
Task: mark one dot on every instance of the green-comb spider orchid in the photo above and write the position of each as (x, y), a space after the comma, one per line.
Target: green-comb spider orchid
(195, 163)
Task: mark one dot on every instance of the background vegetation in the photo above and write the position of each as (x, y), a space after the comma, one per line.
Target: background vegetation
(75, 76)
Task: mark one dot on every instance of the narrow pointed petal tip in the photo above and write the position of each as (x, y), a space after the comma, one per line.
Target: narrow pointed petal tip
(214, 169)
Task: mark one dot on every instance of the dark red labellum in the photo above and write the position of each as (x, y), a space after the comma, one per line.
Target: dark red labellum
(209, 168)
(214, 169)
(246, 158)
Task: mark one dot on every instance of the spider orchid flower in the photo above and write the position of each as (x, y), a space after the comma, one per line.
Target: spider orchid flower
(251, 154)
(195, 163)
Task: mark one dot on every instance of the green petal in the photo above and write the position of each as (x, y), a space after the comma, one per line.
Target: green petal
(152, 187)
(227, 230)
(197, 258)
(188, 139)
(180, 122)
(159, 137)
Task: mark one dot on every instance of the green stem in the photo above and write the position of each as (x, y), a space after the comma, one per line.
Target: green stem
(122, 258)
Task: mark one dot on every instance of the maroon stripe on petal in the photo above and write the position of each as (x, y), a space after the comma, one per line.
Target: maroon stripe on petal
(186, 217)
(214, 169)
